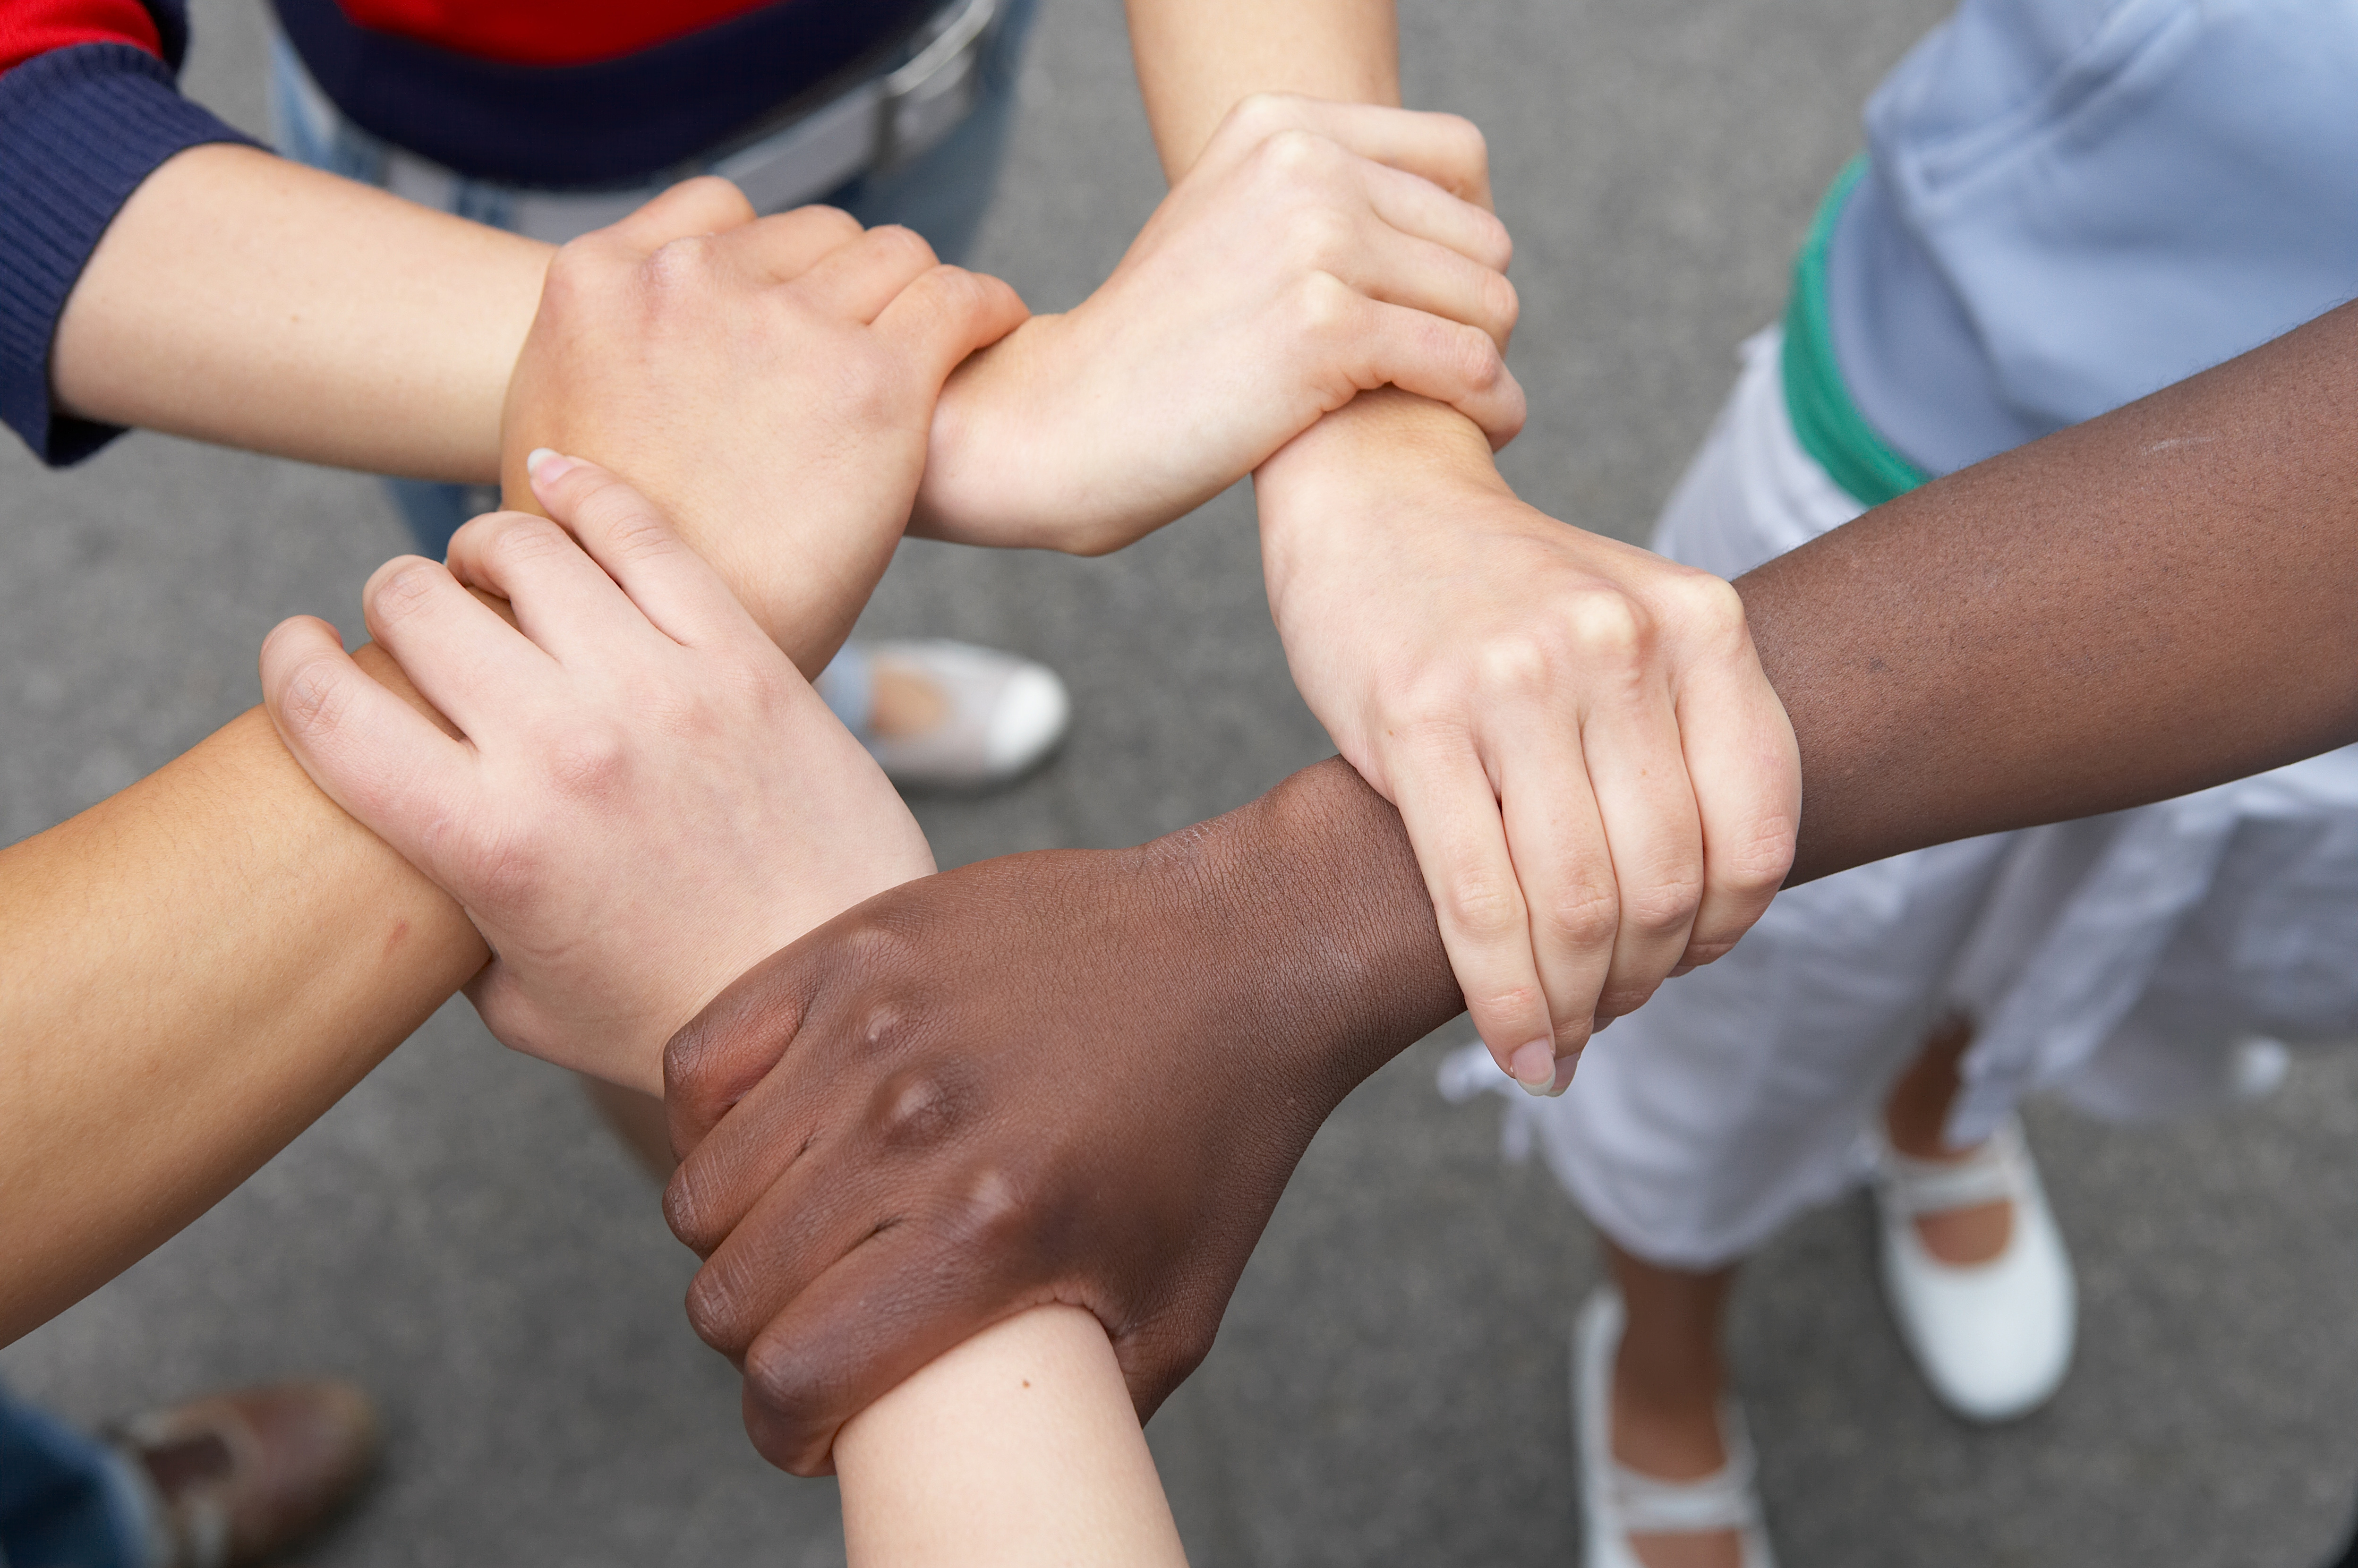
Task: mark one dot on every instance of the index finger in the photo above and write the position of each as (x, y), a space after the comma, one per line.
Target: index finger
(719, 1055)
(1746, 774)
(371, 752)
(631, 543)
(1453, 817)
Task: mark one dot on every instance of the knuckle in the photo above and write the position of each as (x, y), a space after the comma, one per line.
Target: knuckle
(1666, 904)
(678, 265)
(905, 243)
(1319, 235)
(1478, 363)
(868, 386)
(1610, 629)
(1501, 302)
(686, 1210)
(1324, 306)
(1293, 155)
(312, 701)
(1522, 662)
(993, 1213)
(1583, 917)
(1708, 606)
(924, 1106)
(1505, 1003)
(576, 275)
(1467, 144)
(1258, 115)
(517, 538)
(715, 1309)
(1485, 906)
(631, 523)
(792, 1384)
(504, 870)
(832, 221)
(406, 589)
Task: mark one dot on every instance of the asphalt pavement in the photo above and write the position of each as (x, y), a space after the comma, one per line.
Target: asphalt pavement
(462, 1237)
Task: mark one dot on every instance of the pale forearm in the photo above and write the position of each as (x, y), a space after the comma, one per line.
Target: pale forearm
(1019, 1447)
(245, 300)
(1196, 59)
(191, 972)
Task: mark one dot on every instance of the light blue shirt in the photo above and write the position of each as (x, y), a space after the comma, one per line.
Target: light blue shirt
(2072, 203)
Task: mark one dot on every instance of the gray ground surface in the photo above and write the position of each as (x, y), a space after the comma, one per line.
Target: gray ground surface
(460, 1235)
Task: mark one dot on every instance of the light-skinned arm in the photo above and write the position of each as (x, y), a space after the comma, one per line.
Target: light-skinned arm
(1598, 782)
(245, 299)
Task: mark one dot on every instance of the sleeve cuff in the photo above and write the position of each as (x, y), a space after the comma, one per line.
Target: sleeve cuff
(80, 129)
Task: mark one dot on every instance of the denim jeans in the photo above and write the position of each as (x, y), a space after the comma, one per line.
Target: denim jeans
(941, 194)
(66, 1500)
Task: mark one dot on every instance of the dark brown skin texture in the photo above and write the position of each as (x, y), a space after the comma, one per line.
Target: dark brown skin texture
(1085, 1076)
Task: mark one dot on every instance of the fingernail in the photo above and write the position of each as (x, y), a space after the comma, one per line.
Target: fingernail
(547, 466)
(1563, 1072)
(1533, 1066)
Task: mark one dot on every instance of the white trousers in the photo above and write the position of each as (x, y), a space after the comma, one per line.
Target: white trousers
(2117, 959)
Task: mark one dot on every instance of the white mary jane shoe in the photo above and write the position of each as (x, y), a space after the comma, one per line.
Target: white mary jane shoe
(1616, 1501)
(1994, 1339)
(1003, 715)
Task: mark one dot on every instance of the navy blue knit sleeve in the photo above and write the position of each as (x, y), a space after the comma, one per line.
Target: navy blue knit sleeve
(80, 128)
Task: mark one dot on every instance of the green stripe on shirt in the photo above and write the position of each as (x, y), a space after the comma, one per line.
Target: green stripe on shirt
(1826, 421)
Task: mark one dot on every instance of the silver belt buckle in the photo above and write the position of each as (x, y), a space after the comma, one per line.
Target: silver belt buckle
(879, 124)
(924, 100)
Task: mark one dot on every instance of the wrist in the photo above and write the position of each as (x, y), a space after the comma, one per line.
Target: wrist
(1384, 451)
(982, 480)
(1314, 891)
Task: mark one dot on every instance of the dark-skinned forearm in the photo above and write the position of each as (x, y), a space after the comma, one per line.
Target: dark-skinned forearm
(2153, 602)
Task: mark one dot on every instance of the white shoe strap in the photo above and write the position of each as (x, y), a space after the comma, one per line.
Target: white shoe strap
(1914, 1187)
(1725, 1499)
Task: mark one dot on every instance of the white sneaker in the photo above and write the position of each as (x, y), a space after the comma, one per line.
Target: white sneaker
(1616, 1501)
(1002, 716)
(1994, 1339)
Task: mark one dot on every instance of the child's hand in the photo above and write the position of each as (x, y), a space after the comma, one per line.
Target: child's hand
(768, 382)
(1314, 251)
(643, 799)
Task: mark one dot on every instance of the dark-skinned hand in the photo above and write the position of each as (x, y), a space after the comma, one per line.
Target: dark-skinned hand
(1079, 1077)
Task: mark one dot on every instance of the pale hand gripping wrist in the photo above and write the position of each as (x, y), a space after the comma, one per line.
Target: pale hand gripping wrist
(642, 797)
(1601, 785)
(1314, 252)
